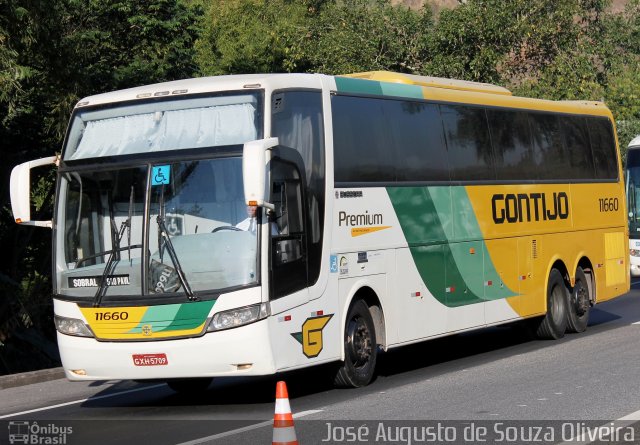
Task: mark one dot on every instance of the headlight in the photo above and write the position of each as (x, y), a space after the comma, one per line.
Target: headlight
(238, 317)
(634, 252)
(72, 326)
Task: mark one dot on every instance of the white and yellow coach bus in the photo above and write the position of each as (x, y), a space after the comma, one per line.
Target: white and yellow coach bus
(391, 209)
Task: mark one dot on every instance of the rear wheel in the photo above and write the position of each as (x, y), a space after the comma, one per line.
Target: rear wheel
(554, 323)
(360, 348)
(190, 386)
(578, 304)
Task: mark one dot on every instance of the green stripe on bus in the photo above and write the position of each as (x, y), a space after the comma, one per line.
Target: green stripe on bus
(373, 87)
(448, 251)
(191, 315)
(175, 317)
(360, 86)
(401, 90)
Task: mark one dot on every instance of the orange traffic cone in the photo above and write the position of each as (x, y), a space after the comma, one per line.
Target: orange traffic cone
(283, 431)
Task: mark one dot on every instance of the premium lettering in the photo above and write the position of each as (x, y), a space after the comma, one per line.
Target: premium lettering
(522, 207)
(363, 219)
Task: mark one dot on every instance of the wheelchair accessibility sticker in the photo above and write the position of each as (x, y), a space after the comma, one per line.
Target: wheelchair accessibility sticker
(161, 175)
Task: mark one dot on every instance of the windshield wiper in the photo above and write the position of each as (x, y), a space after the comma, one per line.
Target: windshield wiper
(174, 257)
(111, 265)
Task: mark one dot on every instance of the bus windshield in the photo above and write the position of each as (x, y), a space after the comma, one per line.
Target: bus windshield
(128, 226)
(192, 210)
(633, 192)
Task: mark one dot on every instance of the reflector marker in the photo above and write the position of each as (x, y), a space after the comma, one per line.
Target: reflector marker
(450, 289)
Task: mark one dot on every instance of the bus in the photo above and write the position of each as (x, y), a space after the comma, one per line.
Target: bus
(632, 179)
(391, 209)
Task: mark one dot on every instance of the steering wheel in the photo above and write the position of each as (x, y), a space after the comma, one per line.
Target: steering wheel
(217, 229)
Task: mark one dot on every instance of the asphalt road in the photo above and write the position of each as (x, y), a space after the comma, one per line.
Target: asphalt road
(496, 378)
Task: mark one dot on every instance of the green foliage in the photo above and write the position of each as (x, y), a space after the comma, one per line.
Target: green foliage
(52, 52)
(359, 35)
(251, 36)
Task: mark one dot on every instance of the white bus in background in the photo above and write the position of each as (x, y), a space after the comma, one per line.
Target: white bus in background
(632, 178)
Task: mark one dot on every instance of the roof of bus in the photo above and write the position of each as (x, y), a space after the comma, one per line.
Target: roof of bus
(450, 90)
(635, 142)
(380, 83)
(200, 85)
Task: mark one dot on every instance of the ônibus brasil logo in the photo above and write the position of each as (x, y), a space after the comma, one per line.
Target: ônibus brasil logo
(35, 433)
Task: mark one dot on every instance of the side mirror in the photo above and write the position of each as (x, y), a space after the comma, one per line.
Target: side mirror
(21, 191)
(254, 160)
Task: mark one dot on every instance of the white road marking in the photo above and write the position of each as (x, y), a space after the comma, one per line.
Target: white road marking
(44, 408)
(622, 422)
(246, 428)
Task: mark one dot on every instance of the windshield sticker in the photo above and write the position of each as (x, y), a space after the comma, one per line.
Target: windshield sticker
(112, 280)
(160, 175)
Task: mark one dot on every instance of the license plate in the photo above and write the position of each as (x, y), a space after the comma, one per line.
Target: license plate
(150, 359)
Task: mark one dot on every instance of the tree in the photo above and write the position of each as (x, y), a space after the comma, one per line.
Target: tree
(361, 35)
(252, 36)
(54, 52)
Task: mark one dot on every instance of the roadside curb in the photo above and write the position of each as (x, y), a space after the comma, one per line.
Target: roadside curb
(27, 378)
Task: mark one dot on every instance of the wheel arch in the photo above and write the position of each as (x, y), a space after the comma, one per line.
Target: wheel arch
(587, 267)
(561, 267)
(370, 297)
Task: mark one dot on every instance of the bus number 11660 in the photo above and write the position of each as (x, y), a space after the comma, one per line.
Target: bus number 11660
(608, 204)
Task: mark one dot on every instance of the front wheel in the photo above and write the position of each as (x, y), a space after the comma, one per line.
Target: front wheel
(360, 348)
(554, 323)
(578, 304)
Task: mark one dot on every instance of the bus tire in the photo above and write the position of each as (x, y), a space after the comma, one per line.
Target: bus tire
(190, 386)
(578, 304)
(360, 348)
(554, 323)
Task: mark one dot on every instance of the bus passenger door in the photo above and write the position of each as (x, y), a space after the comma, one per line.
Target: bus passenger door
(288, 250)
(288, 283)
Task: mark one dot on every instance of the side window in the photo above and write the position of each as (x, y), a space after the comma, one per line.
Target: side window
(576, 139)
(468, 143)
(603, 146)
(512, 147)
(420, 151)
(298, 123)
(550, 153)
(362, 147)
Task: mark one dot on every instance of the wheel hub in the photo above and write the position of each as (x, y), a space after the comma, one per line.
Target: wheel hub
(580, 299)
(359, 341)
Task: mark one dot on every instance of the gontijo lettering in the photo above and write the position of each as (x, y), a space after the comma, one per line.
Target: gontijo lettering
(514, 208)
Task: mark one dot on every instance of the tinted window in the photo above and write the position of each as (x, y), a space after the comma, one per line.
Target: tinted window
(361, 140)
(548, 147)
(468, 143)
(576, 138)
(603, 146)
(512, 147)
(416, 129)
